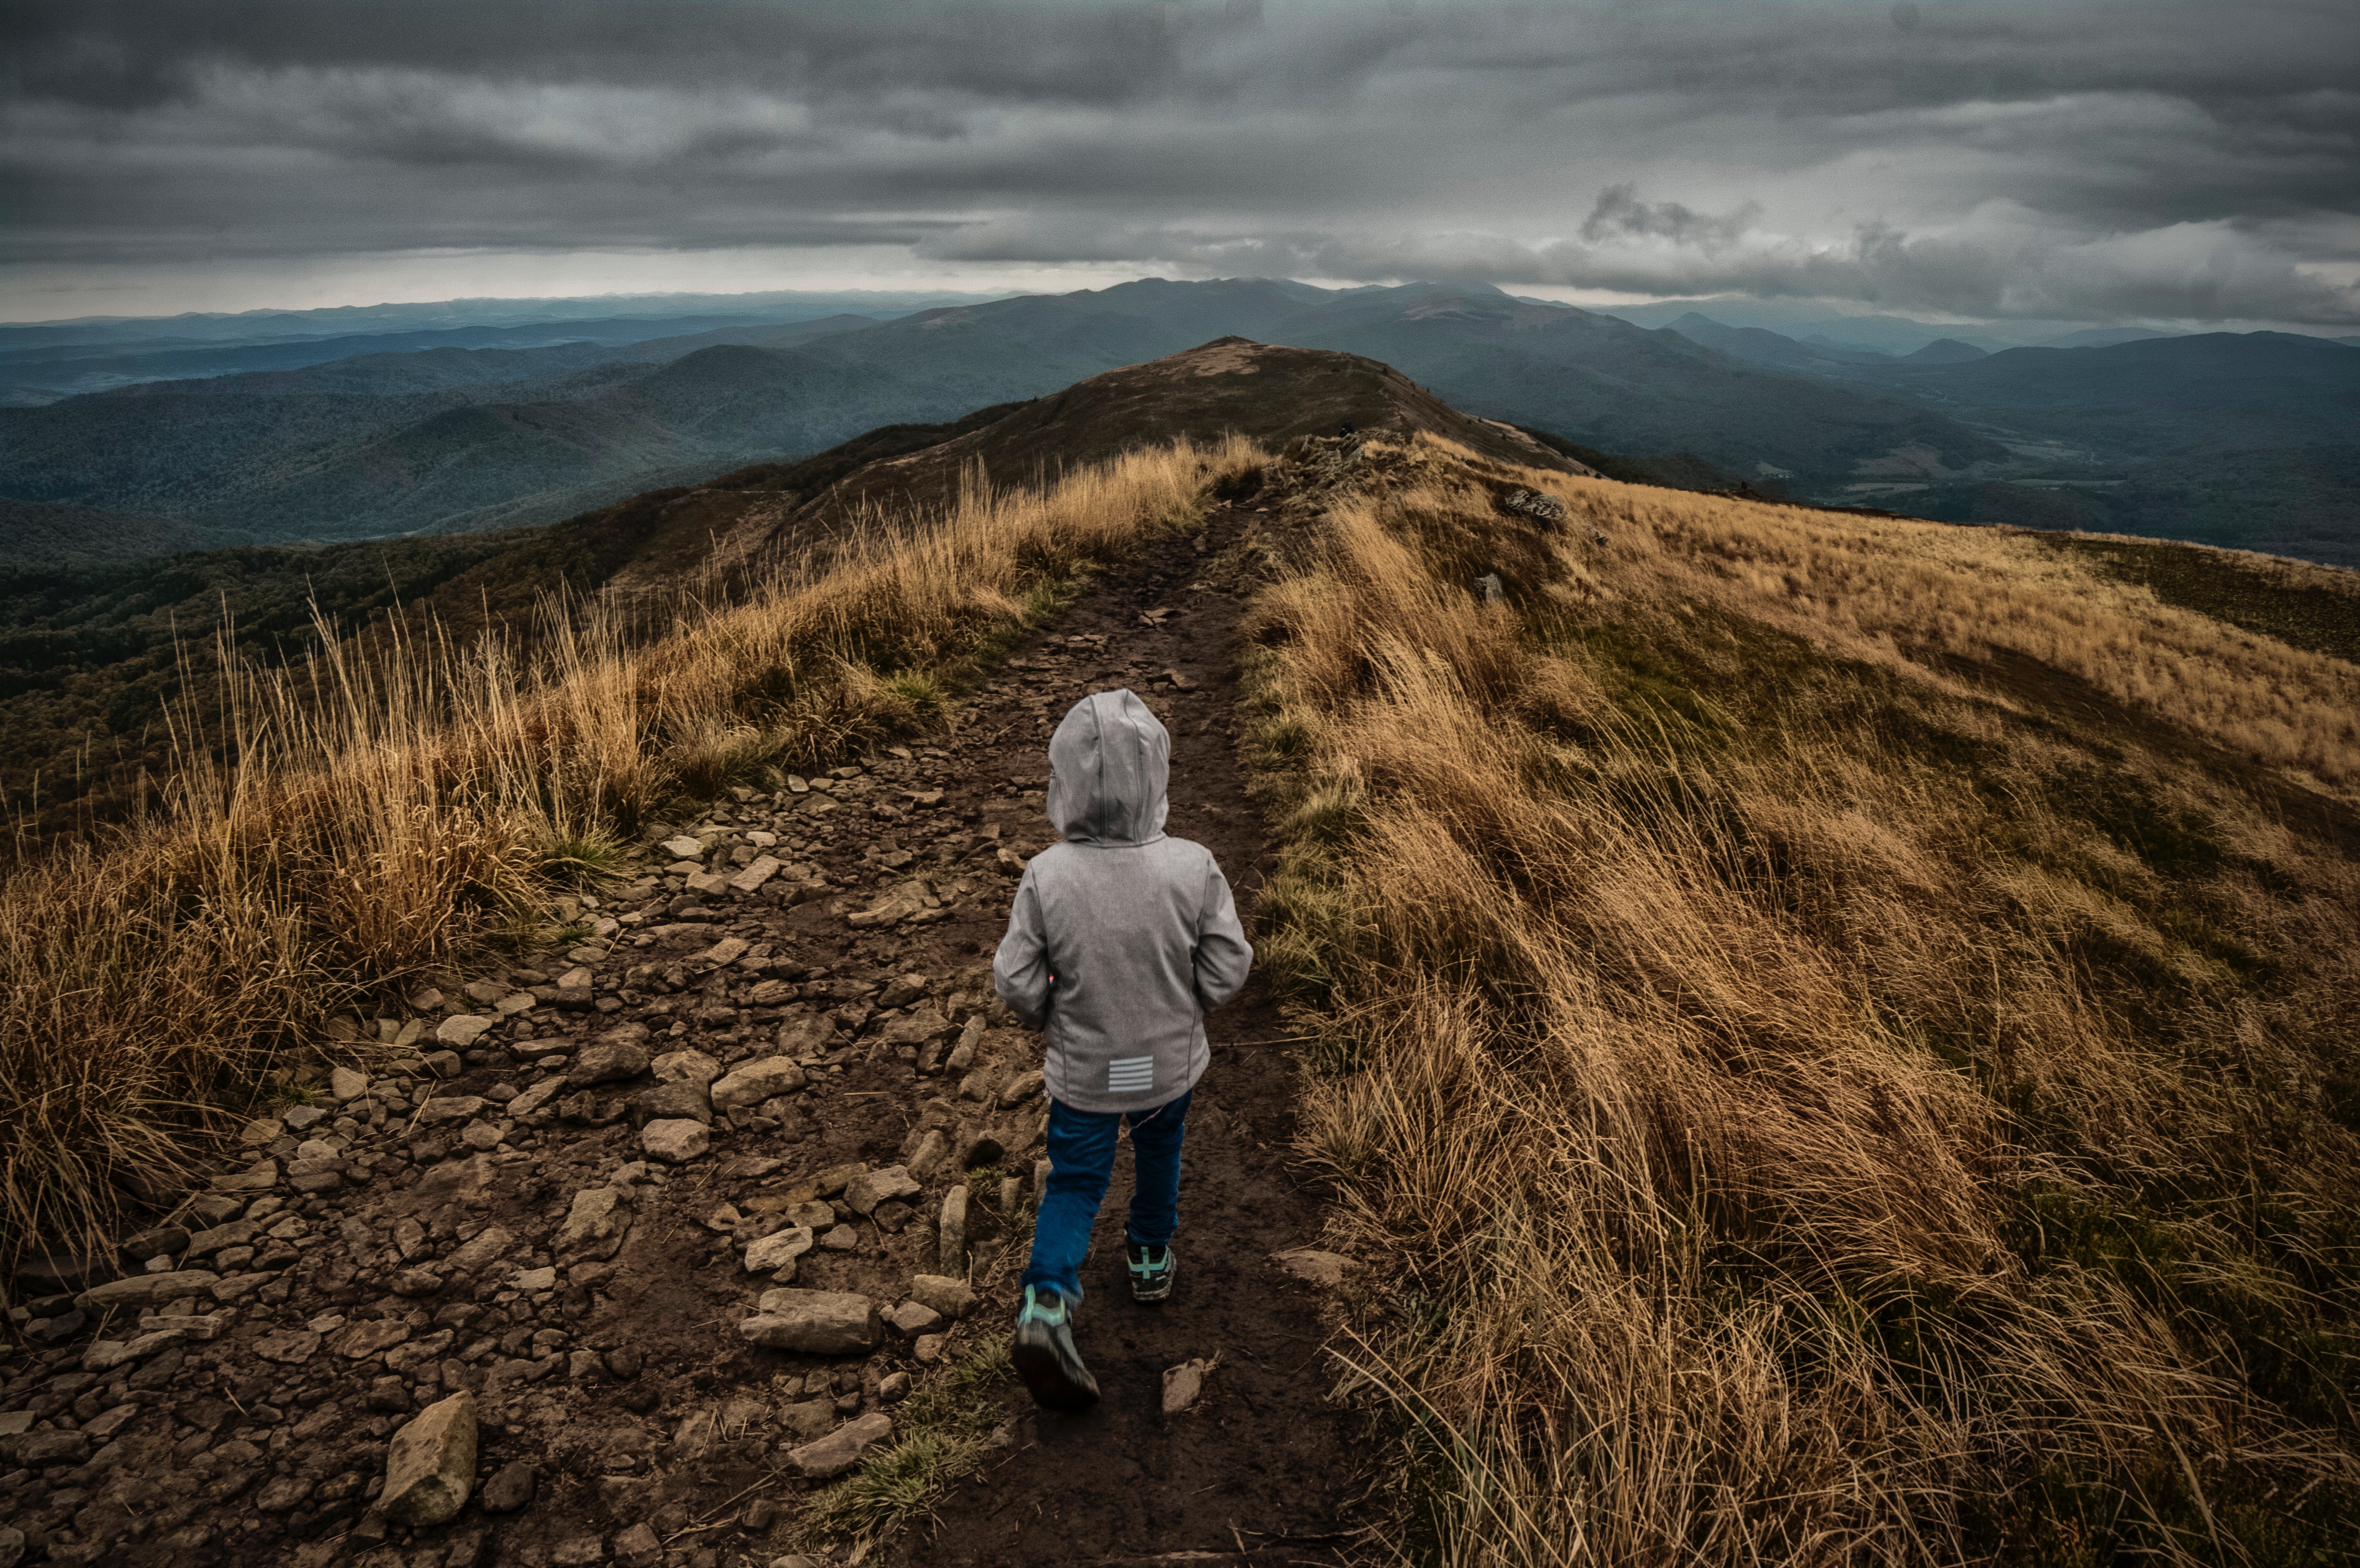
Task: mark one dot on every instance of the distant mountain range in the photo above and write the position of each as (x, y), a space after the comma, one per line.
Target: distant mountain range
(89, 653)
(445, 427)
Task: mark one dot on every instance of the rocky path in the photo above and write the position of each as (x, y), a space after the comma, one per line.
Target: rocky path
(616, 1259)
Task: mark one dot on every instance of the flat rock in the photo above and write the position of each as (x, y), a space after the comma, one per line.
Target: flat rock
(816, 1322)
(510, 1488)
(530, 1102)
(778, 1249)
(462, 1029)
(1183, 1383)
(684, 849)
(900, 902)
(364, 1339)
(638, 1546)
(237, 1232)
(430, 1467)
(1021, 1088)
(259, 1176)
(840, 1449)
(806, 1034)
(684, 1098)
(914, 1318)
(597, 1220)
(685, 1066)
(756, 1082)
(288, 1349)
(728, 950)
(760, 870)
(491, 1244)
(870, 1188)
(147, 1289)
(921, 1025)
(606, 1060)
(951, 1297)
(347, 1083)
(676, 1140)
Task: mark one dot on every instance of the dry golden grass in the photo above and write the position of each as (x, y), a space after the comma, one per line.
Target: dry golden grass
(1815, 1110)
(1899, 589)
(387, 811)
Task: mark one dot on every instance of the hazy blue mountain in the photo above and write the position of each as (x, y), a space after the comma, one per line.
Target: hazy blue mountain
(2160, 396)
(1760, 346)
(32, 376)
(453, 438)
(1944, 351)
(1607, 384)
(2100, 337)
(268, 327)
(1894, 334)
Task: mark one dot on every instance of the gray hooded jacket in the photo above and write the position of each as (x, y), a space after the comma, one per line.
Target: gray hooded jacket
(1120, 939)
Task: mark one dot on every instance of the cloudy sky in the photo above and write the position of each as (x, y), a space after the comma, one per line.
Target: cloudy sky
(2172, 161)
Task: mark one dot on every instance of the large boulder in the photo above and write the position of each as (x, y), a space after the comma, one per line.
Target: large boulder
(430, 1467)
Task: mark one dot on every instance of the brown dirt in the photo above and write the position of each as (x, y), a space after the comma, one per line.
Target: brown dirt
(1263, 1463)
(625, 1390)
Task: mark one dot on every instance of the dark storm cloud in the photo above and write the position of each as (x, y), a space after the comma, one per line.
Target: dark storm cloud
(2199, 160)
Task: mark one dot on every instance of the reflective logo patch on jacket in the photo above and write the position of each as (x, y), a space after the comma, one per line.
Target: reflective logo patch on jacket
(1130, 1075)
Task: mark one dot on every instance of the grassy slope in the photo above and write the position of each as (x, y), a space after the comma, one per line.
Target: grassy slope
(396, 805)
(1837, 1030)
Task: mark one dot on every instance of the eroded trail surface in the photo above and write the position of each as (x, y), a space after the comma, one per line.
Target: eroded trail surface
(554, 1206)
(1262, 1463)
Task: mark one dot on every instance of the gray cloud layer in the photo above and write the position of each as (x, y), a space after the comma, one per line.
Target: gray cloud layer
(2193, 161)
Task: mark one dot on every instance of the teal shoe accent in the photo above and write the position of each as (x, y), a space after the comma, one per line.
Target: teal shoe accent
(1151, 1270)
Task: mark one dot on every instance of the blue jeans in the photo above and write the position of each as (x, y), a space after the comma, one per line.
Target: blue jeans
(1081, 1162)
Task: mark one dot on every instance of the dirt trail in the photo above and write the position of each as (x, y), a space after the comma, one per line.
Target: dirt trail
(538, 1204)
(1262, 1463)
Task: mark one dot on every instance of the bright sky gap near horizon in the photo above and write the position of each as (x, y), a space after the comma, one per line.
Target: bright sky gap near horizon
(2189, 166)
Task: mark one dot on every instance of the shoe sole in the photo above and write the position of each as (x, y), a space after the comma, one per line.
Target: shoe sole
(1045, 1378)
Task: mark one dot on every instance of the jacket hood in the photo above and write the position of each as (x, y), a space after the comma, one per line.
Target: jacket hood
(1110, 766)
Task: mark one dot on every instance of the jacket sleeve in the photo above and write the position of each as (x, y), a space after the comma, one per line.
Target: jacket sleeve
(1020, 970)
(1223, 954)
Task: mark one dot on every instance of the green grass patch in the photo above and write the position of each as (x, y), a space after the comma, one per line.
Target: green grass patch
(585, 860)
(942, 1434)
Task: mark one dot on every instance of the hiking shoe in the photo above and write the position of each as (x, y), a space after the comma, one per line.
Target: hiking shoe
(1152, 1268)
(1044, 1353)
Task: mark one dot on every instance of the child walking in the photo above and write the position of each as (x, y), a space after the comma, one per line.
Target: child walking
(1121, 939)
